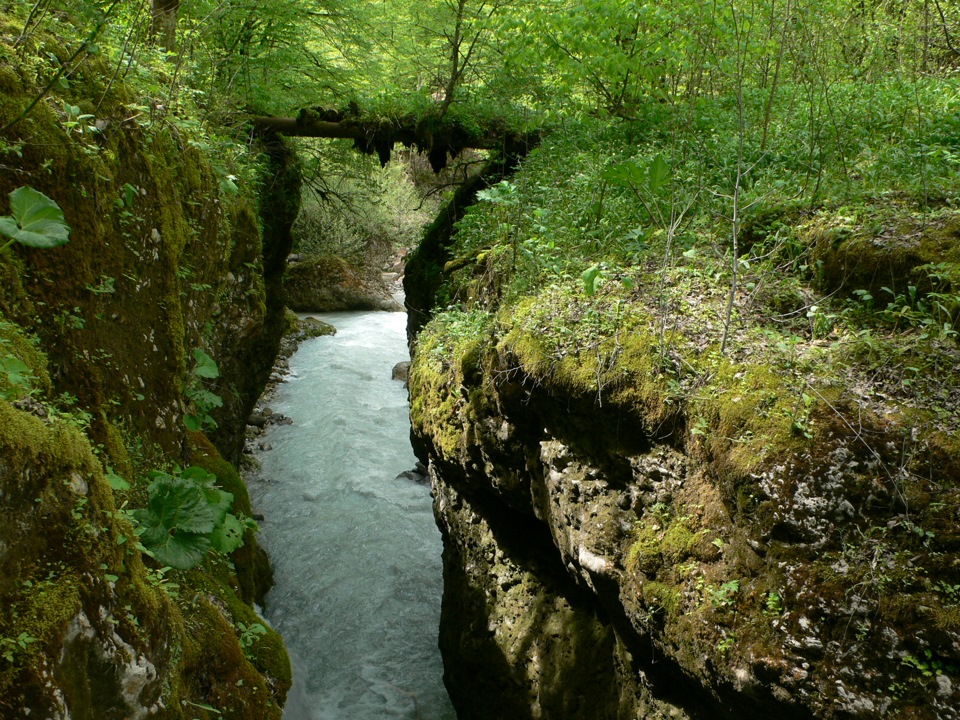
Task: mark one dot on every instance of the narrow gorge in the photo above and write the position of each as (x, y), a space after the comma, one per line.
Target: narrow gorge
(680, 435)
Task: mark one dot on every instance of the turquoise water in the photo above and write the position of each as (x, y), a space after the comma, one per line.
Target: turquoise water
(355, 550)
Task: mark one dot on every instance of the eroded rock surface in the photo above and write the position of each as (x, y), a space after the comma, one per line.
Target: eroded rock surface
(329, 284)
(603, 561)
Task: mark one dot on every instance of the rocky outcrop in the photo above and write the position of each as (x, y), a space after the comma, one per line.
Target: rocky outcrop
(248, 320)
(616, 550)
(330, 284)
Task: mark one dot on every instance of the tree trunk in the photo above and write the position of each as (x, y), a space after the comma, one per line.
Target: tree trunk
(164, 13)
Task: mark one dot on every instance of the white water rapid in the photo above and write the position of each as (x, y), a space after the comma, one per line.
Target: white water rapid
(355, 550)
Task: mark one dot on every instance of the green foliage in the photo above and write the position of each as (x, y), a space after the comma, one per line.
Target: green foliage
(356, 210)
(186, 517)
(929, 665)
(249, 636)
(724, 596)
(202, 400)
(36, 221)
(10, 646)
(17, 374)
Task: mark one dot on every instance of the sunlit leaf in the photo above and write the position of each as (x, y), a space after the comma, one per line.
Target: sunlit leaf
(657, 173)
(590, 278)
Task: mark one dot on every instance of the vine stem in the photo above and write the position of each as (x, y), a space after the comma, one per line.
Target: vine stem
(7, 246)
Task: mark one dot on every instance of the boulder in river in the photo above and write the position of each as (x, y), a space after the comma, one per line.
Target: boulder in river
(401, 371)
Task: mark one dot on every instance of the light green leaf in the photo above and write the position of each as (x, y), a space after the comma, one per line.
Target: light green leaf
(657, 173)
(16, 370)
(626, 173)
(199, 475)
(206, 367)
(116, 482)
(37, 220)
(590, 277)
(228, 536)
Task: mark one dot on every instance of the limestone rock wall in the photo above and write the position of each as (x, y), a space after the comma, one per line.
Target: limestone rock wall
(600, 565)
(330, 284)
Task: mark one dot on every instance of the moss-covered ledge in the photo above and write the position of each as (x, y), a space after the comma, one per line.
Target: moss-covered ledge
(762, 520)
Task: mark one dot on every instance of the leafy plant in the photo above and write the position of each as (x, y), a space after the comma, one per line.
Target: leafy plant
(35, 221)
(186, 517)
(723, 596)
(202, 400)
(930, 665)
(773, 604)
(17, 374)
(10, 646)
(250, 635)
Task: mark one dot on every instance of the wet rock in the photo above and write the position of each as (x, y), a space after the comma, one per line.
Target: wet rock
(415, 475)
(401, 371)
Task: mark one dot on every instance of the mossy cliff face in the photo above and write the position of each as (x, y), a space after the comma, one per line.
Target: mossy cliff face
(88, 630)
(638, 526)
(164, 258)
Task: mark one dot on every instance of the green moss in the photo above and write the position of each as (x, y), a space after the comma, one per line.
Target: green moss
(15, 343)
(215, 668)
(751, 411)
(448, 356)
(880, 246)
(117, 311)
(658, 596)
(251, 575)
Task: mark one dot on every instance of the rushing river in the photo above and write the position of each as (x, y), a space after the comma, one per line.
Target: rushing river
(355, 550)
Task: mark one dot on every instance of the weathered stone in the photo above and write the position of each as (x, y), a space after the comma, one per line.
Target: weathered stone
(401, 371)
(326, 284)
(564, 541)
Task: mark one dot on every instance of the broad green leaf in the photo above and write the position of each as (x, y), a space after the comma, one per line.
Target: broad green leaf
(219, 501)
(206, 367)
(15, 369)
(657, 173)
(204, 399)
(590, 277)
(181, 550)
(180, 504)
(199, 475)
(229, 536)
(116, 482)
(37, 220)
(626, 173)
(193, 423)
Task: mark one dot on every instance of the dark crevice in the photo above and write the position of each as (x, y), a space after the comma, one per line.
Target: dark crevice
(247, 359)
